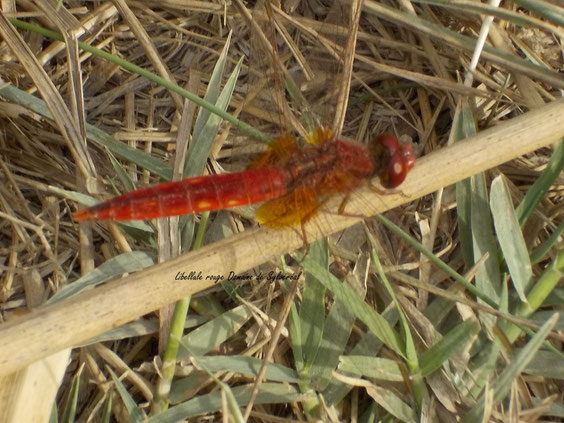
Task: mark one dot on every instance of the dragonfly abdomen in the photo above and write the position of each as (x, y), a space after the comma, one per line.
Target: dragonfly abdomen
(192, 195)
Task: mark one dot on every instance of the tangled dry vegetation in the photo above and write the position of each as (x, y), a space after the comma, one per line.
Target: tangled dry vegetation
(464, 325)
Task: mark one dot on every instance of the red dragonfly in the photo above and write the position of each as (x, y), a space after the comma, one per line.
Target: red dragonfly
(293, 182)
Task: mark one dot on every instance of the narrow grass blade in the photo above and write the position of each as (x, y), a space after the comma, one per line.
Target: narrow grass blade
(392, 403)
(207, 124)
(542, 185)
(516, 18)
(149, 75)
(546, 364)
(545, 9)
(139, 327)
(371, 367)
(295, 331)
(463, 127)
(482, 366)
(443, 350)
(412, 359)
(436, 261)
(369, 346)
(270, 393)
(463, 190)
(488, 277)
(214, 332)
(510, 61)
(107, 410)
(249, 366)
(205, 132)
(375, 322)
(53, 416)
(510, 237)
(121, 174)
(411, 353)
(503, 382)
(543, 287)
(336, 333)
(135, 413)
(229, 403)
(546, 246)
(131, 155)
(124, 263)
(69, 412)
(312, 307)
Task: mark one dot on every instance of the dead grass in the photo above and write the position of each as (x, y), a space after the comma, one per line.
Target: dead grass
(454, 351)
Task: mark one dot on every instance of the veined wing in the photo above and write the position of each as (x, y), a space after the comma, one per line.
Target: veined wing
(305, 65)
(329, 48)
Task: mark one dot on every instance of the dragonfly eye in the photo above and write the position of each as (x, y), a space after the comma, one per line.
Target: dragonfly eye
(407, 153)
(395, 172)
(392, 159)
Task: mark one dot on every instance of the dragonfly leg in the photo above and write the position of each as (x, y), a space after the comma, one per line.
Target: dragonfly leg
(390, 191)
(311, 213)
(341, 210)
(343, 204)
(304, 237)
(303, 221)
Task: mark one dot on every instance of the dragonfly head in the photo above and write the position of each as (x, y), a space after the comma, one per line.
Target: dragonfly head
(392, 159)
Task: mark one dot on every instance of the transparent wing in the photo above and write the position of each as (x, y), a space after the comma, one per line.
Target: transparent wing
(300, 68)
(320, 68)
